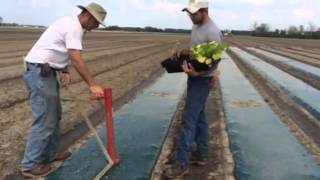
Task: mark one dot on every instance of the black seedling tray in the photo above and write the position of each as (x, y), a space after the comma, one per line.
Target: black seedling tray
(173, 65)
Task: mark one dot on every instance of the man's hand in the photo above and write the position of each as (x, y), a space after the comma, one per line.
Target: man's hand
(96, 91)
(189, 69)
(65, 78)
(183, 52)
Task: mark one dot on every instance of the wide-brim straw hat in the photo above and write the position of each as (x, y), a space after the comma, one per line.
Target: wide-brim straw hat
(97, 11)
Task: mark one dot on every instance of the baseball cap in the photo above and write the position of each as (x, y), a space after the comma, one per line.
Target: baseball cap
(195, 5)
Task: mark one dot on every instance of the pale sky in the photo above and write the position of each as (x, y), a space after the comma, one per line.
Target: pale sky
(228, 14)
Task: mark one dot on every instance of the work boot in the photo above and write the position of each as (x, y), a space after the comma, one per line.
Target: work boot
(61, 156)
(176, 171)
(38, 170)
(198, 160)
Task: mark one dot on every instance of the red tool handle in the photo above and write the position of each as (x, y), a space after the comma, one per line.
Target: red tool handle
(109, 125)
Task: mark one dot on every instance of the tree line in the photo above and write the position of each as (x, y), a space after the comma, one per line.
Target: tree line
(146, 29)
(264, 30)
(118, 28)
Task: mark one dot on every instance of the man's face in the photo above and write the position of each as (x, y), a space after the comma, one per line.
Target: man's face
(92, 23)
(197, 17)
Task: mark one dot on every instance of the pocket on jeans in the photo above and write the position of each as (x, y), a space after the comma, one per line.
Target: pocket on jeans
(39, 106)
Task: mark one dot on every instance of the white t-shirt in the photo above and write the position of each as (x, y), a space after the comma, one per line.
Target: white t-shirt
(52, 47)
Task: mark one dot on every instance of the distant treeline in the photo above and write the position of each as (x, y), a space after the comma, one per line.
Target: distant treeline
(278, 33)
(9, 24)
(146, 29)
(18, 25)
(118, 28)
(263, 30)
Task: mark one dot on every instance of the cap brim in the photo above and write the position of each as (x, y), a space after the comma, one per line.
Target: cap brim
(84, 8)
(191, 10)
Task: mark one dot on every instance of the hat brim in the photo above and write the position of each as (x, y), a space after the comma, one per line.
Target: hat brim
(97, 19)
(191, 10)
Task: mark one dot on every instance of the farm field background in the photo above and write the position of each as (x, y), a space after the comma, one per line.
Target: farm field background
(125, 60)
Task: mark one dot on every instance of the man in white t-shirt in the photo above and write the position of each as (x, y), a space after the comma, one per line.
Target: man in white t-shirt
(49, 56)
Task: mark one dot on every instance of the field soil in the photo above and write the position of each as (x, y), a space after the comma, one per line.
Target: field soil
(124, 61)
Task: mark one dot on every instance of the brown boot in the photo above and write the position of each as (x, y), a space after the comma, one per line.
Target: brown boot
(198, 160)
(61, 156)
(38, 170)
(176, 171)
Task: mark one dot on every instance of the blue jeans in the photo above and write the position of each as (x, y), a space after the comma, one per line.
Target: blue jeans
(194, 121)
(43, 139)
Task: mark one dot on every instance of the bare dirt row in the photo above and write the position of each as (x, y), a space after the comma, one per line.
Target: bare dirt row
(310, 44)
(301, 50)
(103, 63)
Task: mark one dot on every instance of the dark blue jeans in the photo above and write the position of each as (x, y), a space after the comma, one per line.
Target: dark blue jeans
(194, 121)
(43, 137)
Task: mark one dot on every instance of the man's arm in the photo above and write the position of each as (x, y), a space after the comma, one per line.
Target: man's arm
(189, 69)
(82, 69)
(182, 52)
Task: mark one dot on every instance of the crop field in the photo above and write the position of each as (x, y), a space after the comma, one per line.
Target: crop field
(268, 96)
(285, 73)
(118, 60)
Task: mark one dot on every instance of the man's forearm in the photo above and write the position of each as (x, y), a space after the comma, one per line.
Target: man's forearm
(81, 67)
(184, 52)
(83, 70)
